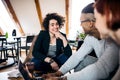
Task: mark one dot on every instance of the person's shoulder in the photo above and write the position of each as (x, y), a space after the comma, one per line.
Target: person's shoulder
(89, 37)
(63, 33)
(91, 40)
(110, 41)
(43, 32)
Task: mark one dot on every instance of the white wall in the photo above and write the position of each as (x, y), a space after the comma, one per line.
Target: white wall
(75, 11)
(51, 6)
(27, 14)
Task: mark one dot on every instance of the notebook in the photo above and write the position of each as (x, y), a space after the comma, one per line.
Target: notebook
(14, 74)
(24, 73)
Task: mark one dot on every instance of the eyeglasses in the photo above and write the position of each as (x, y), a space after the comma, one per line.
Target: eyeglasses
(84, 21)
(87, 21)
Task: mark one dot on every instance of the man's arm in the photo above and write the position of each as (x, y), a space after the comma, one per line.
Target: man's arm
(100, 69)
(75, 59)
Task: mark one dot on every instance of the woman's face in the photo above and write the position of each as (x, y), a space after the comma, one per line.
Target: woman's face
(102, 28)
(101, 25)
(53, 26)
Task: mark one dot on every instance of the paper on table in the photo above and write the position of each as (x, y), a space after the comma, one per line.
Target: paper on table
(14, 73)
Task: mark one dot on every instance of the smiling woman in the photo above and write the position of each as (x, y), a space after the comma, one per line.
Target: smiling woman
(51, 48)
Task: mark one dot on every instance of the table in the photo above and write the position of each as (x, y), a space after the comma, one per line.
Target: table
(15, 40)
(12, 41)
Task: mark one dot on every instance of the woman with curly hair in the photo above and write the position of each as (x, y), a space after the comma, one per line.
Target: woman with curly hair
(51, 48)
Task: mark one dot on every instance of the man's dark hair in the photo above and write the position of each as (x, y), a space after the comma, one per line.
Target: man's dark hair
(88, 9)
(50, 16)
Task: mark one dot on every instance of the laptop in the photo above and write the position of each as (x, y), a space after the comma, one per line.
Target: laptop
(24, 73)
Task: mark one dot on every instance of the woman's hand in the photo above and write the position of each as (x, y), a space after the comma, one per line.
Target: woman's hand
(57, 78)
(54, 66)
(52, 78)
(56, 74)
(59, 35)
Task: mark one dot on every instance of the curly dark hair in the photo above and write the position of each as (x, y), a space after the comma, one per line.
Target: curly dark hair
(55, 16)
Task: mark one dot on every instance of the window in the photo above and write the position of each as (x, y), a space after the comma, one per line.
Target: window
(75, 11)
(7, 24)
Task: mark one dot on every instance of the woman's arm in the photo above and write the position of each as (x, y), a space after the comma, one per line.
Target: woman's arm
(117, 75)
(62, 37)
(37, 52)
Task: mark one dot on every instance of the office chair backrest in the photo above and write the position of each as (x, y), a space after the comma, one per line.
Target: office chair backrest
(28, 43)
(3, 41)
(29, 56)
(29, 38)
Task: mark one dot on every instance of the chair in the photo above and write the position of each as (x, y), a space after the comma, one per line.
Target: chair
(18, 45)
(4, 54)
(29, 56)
(5, 48)
(2, 51)
(10, 47)
(28, 41)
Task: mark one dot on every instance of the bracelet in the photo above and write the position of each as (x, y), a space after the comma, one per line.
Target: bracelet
(51, 61)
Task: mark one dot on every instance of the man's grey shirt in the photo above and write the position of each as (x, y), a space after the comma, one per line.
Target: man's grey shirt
(106, 51)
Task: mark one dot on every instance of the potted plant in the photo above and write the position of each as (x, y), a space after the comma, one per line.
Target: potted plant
(81, 36)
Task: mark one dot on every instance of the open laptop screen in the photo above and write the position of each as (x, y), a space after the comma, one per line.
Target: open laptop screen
(24, 73)
(22, 70)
